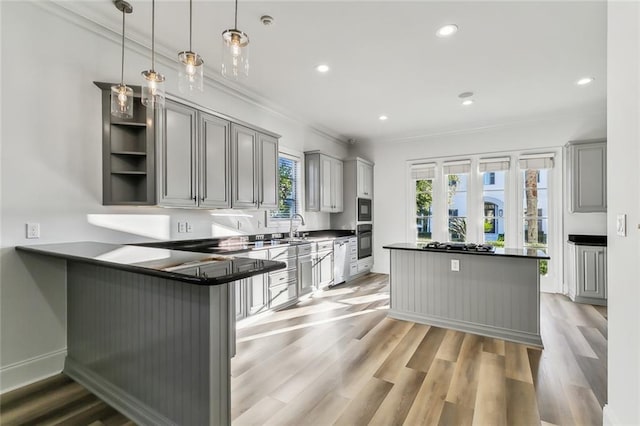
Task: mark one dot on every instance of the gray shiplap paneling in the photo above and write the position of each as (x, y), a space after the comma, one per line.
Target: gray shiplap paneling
(490, 295)
(155, 349)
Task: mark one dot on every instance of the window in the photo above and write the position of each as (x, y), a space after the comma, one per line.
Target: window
(535, 204)
(489, 178)
(289, 191)
(422, 176)
(457, 202)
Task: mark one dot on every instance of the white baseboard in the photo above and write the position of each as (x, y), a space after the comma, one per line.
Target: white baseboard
(31, 370)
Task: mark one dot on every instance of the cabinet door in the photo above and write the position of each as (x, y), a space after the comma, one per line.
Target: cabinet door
(269, 177)
(257, 293)
(325, 269)
(326, 193)
(245, 172)
(215, 162)
(177, 156)
(305, 275)
(592, 272)
(240, 298)
(589, 177)
(336, 186)
(364, 179)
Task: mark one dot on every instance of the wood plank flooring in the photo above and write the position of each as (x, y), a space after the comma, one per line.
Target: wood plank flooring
(336, 358)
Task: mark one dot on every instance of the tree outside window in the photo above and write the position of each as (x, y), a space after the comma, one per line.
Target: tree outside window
(288, 199)
(424, 199)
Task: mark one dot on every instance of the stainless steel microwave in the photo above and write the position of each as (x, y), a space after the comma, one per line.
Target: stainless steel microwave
(364, 210)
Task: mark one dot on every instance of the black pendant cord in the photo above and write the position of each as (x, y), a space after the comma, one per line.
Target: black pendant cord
(122, 62)
(153, 33)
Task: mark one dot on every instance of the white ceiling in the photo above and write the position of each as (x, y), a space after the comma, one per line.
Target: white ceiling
(521, 59)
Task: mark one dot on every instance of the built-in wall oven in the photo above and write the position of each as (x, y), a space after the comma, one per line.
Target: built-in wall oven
(364, 210)
(365, 240)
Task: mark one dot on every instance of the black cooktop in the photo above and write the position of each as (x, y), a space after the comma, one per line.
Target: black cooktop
(459, 246)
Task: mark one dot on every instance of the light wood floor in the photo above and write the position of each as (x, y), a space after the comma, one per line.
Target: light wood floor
(337, 359)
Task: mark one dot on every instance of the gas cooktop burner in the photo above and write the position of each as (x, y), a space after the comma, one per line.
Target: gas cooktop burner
(459, 246)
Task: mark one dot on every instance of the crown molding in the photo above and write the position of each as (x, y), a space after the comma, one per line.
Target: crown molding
(166, 57)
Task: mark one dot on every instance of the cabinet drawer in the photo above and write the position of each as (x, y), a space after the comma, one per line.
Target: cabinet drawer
(353, 269)
(282, 294)
(257, 254)
(353, 258)
(281, 253)
(304, 250)
(283, 277)
(353, 249)
(325, 245)
(365, 264)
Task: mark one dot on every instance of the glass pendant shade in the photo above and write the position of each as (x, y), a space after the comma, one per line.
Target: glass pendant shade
(122, 101)
(235, 54)
(152, 89)
(191, 76)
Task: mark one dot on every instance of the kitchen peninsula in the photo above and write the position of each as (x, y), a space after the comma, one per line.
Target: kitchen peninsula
(148, 329)
(494, 293)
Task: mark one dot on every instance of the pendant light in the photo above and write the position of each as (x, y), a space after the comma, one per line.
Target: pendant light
(153, 82)
(235, 61)
(190, 77)
(121, 95)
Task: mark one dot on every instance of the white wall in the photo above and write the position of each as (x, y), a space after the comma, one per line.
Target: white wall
(623, 253)
(390, 158)
(51, 170)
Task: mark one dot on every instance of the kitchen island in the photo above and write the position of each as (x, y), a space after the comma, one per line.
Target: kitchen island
(494, 294)
(148, 329)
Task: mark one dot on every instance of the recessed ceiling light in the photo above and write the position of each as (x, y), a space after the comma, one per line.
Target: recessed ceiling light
(322, 68)
(383, 118)
(447, 30)
(467, 102)
(584, 80)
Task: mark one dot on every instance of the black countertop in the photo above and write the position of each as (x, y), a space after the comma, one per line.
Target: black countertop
(588, 240)
(186, 266)
(502, 252)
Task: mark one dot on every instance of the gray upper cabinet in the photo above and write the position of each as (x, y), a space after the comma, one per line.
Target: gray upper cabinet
(215, 162)
(587, 164)
(364, 179)
(255, 168)
(194, 158)
(177, 156)
(324, 180)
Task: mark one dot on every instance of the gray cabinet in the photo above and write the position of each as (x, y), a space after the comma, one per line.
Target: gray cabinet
(194, 158)
(364, 179)
(323, 180)
(257, 288)
(254, 168)
(588, 274)
(128, 151)
(305, 269)
(587, 175)
(323, 265)
(283, 284)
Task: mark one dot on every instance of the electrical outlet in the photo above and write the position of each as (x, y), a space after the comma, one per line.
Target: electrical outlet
(33, 230)
(182, 227)
(189, 227)
(455, 265)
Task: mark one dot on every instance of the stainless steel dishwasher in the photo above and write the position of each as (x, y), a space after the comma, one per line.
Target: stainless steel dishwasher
(340, 260)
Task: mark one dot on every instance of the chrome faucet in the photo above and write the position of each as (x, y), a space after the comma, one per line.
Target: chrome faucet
(291, 232)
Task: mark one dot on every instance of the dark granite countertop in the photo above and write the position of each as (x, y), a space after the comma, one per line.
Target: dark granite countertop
(186, 266)
(587, 240)
(502, 252)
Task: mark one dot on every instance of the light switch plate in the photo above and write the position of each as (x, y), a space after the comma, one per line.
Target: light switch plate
(455, 265)
(621, 225)
(33, 230)
(189, 227)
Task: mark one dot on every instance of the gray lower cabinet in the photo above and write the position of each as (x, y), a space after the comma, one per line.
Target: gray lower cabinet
(587, 174)
(254, 168)
(194, 158)
(588, 274)
(283, 284)
(323, 266)
(305, 269)
(258, 288)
